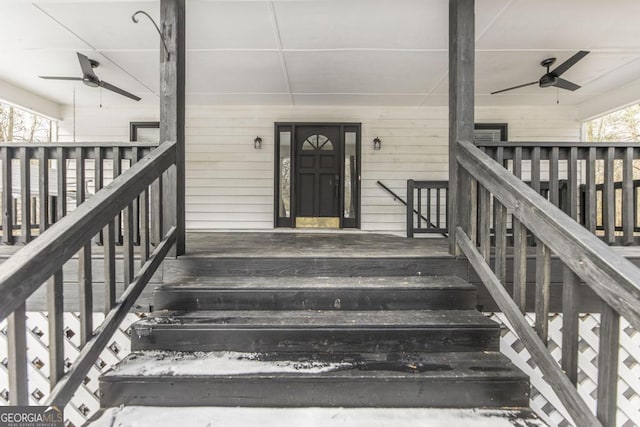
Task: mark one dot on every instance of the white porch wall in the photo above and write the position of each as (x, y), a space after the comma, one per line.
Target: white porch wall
(230, 184)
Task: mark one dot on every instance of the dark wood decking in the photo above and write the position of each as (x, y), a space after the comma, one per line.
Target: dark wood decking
(310, 254)
(312, 245)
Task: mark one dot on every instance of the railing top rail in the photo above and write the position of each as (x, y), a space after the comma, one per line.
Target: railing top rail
(431, 184)
(28, 268)
(76, 144)
(561, 144)
(614, 278)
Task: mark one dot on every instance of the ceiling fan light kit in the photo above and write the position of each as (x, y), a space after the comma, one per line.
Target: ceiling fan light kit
(90, 78)
(552, 78)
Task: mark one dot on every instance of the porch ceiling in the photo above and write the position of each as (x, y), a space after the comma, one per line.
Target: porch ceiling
(326, 52)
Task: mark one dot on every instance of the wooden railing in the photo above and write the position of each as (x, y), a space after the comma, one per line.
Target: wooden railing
(42, 260)
(41, 182)
(427, 207)
(592, 182)
(487, 189)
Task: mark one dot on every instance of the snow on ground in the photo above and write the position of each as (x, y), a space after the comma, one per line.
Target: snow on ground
(148, 416)
(212, 363)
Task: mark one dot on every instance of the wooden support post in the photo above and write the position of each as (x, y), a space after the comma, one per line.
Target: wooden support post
(461, 99)
(172, 95)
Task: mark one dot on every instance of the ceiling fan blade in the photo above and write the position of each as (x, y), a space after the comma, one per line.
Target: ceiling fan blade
(60, 78)
(515, 87)
(85, 64)
(562, 68)
(566, 84)
(117, 90)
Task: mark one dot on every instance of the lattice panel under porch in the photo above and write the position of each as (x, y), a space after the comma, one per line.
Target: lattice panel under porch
(85, 402)
(544, 401)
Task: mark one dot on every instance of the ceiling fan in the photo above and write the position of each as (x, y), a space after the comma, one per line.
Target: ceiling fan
(90, 79)
(552, 78)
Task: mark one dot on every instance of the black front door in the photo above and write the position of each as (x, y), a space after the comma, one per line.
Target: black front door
(318, 151)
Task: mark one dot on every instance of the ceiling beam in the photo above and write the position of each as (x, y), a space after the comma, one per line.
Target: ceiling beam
(30, 101)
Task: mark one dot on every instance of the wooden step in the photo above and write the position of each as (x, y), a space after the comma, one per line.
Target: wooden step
(189, 268)
(324, 293)
(460, 380)
(324, 334)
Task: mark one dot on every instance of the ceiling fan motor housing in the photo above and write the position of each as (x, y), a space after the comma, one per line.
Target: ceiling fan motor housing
(90, 81)
(548, 80)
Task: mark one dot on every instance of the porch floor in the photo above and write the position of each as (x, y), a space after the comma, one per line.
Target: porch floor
(311, 244)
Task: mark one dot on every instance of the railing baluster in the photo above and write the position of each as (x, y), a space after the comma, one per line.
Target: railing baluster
(609, 348)
(117, 170)
(572, 183)
(438, 208)
(84, 260)
(520, 264)
(420, 209)
(499, 158)
(410, 192)
(519, 245)
(62, 183)
(590, 203)
(429, 222)
(7, 197)
(17, 357)
(157, 215)
(43, 188)
(543, 275)
(473, 210)
(98, 176)
(55, 297)
(135, 156)
(127, 215)
(109, 267)
(144, 226)
(554, 177)
(535, 169)
(55, 312)
(485, 223)
(501, 241)
(570, 323)
(25, 194)
(628, 204)
(608, 199)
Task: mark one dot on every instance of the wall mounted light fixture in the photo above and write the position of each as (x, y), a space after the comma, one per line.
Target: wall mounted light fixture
(377, 144)
(257, 143)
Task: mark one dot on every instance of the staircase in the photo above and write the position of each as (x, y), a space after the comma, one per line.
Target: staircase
(230, 338)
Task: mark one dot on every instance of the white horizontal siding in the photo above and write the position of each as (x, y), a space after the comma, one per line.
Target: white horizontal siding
(230, 184)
